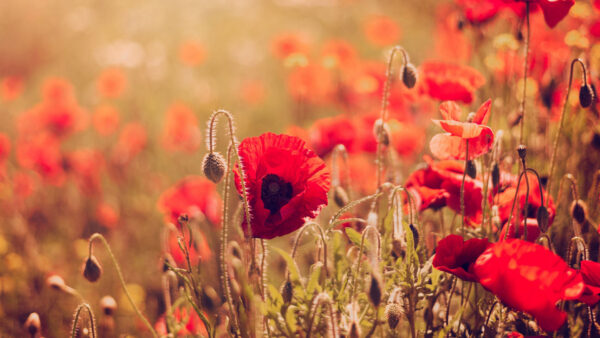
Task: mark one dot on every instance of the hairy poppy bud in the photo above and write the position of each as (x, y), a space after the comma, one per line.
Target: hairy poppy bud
(522, 151)
(393, 314)
(340, 196)
(382, 132)
(586, 95)
(33, 325)
(471, 169)
(375, 291)
(56, 282)
(92, 269)
(213, 166)
(542, 218)
(579, 211)
(287, 291)
(108, 305)
(495, 174)
(398, 248)
(415, 234)
(209, 299)
(409, 75)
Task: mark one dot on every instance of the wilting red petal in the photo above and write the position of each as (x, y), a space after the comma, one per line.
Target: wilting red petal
(457, 256)
(447, 146)
(483, 113)
(533, 231)
(450, 110)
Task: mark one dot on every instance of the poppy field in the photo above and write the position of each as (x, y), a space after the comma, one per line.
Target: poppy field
(299, 168)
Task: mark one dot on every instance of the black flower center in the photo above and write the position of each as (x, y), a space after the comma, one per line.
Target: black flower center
(275, 192)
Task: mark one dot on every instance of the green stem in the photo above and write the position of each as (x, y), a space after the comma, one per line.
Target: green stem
(525, 65)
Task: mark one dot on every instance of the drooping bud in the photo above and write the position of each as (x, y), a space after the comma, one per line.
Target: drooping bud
(33, 325)
(210, 299)
(460, 24)
(287, 291)
(382, 132)
(375, 291)
(579, 211)
(415, 234)
(213, 166)
(495, 174)
(409, 75)
(236, 251)
(595, 142)
(56, 282)
(586, 95)
(92, 269)
(543, 218)
(471, 169)
(522, 151)
(340, 196)
(108, 305)
(393, 314)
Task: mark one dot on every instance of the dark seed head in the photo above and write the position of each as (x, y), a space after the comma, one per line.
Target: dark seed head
(522, 151)
(382, 132)
(287, 291)
(92, 269)
(471, 169)
(340, 196)
(375, 291)
(586, 95)
(579, 211)
(596, 140)
(213, 166)
(108, 305)
(393, 314)
(409, 75)
(495, 175)
(415, 234)
(542, 218)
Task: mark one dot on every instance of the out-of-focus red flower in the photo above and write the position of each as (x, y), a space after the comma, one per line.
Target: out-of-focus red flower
(450, 42)
(253, 92)
(11, 88)
(590, 272)
(181, 131)
(554, 10)
(192, 53)
(439, 185)
(453, 143)
(504, 195)
(530, 278)
(107, 215)
(380, 30)
(533, 230)
(132, 141)
(106, 119)
(85, 165)
(193, 196)
(311, 84)
(193, 325)
(23, 185)
(111, 83)
(360, 165)
(477, 11)
(287, 44)
(450, 81)
(338, 53)
(285, 181)
(5, 146)
(294, 130)
(198, 249)
(328, 132)
(42, 154)
(456, 256)
(406, 138)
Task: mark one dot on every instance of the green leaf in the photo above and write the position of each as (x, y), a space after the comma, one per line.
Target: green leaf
(291, 264)
(276, 299)
(313, 280)
(290, 319)
(356, 237)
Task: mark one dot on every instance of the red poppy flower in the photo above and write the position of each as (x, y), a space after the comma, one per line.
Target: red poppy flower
(554, 10)
(287, 44)
(193, 196)
(457, 256)
(312, 84)
(590, 272)
(107, 215)
(105, 120)
(11, 87)
(451, 43)
(85, 166)
(285, 182)
(453, 143)
(533, 230)
(338, 53)
(530, 278)
(132, 141)
(42, 154)
(328, 132)
(477, 11)
(439, 185)
(449, 81)
(198, 249)
(192, 324)
(381, 30)
(111, 83)
(181, 131)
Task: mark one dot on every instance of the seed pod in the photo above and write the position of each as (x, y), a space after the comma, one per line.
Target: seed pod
(354, 331)
(595, 142)
(471, 169)
(33, 325)
(460, 24)
(287, 291)
(108, 305)
(340, 197)
(375, 291)
(382, 132)
(393, 314)
(586, 95)
(92, 269)
(213, 166)
(495, 174)
(543, 218)
(579, 211)
(409, 75)
(415, 234)
(522, 151)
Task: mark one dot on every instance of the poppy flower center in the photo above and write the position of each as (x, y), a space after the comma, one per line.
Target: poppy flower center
(275, 192)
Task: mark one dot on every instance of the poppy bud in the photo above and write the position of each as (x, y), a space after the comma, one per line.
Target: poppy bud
(354, 331)
(579, 211)
(213, 166)
(460, 24)
(495, 175)
(409, 75)
(340, 196)
(519, 36)
(209, 299)
(542, 218)
(514, 118)
(236, 251)
(586, 95)
(287, 291)
(375, 291)
(56, 282)
(522, 151)
(398, 247)
(393, 314)
(595, 142)
(33, 324)
(471, 169)
(382, 132)
(415, 234)
(92, 269)
(108, 305)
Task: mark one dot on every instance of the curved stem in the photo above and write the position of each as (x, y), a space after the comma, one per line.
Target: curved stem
(76, 320)
(122, 280)
(525, 65)
(562, 121)
(360, 253)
